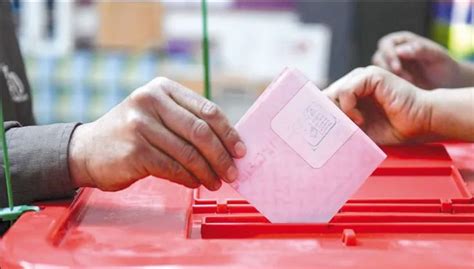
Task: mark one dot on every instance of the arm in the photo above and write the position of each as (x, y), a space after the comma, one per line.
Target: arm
(422, 62)
(391, 110)
(452, 113)
(38, 156)
(466, 74)
(161, 129)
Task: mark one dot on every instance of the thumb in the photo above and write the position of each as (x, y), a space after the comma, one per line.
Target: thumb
(347, 92)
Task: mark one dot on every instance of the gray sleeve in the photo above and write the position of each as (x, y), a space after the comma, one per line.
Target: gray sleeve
(39, 162)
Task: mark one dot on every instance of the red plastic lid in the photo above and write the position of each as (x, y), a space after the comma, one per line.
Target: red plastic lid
(413, 212)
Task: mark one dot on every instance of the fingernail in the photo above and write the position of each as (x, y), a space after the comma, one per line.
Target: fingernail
(240, 149)
(232, 174)
(358, 121)
(217, 185)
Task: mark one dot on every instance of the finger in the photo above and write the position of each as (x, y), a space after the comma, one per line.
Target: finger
(213, 116)
(355, 87)
(341, 93)
(378, 60)
(407, 76)
(198, 133)
(183, 152)
(332, 90)
(406, 51)
(387, 52)
(347, 102)
(401, 37)
(356, 116)
(387, 47)
(332, 97)
(348, 96)
(161, 165)
(421, 50)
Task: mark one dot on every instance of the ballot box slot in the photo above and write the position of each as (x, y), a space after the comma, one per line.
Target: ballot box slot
(277, 230)
(358, 218)
(353, 207)
(236, 218)
(424, 196)
(414, 171)
(404, 187)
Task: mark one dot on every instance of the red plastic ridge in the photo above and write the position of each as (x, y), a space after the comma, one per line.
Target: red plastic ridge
(349, 237)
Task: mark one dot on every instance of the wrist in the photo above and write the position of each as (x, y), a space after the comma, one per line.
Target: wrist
(433, 99)
(77, 158)
(450, 113)
(466, 75)
(424, 112)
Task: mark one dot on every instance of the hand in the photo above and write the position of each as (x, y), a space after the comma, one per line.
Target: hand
(161, 129)
(418, 60)
(388, 108)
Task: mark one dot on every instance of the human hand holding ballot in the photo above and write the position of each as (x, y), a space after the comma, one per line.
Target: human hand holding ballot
(305, 157)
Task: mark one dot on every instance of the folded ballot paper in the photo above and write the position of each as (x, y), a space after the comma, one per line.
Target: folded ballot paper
(305, 157)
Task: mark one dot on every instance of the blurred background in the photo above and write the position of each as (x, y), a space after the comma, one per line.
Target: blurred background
(85, 56)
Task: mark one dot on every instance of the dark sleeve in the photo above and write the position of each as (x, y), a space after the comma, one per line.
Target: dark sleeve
(39, 162)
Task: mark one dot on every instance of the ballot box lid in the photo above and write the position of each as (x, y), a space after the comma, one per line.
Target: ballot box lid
(414, 211)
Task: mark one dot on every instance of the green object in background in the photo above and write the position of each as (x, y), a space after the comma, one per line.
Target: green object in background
(6, 160)
(205, 51)
(458, 39)
(453, 27)
(461, 40)
(11, 213)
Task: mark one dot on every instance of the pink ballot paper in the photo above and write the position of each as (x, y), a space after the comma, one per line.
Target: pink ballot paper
(305, 157)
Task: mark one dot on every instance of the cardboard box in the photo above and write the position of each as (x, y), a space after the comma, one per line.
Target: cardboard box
(130, 25)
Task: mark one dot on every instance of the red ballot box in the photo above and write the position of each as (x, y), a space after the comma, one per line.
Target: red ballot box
(415, 211)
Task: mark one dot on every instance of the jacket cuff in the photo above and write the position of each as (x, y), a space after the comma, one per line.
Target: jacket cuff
(39, 162)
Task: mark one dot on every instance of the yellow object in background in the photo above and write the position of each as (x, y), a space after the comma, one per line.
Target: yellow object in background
(461, 40)
(461, 34)
(454, 27)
